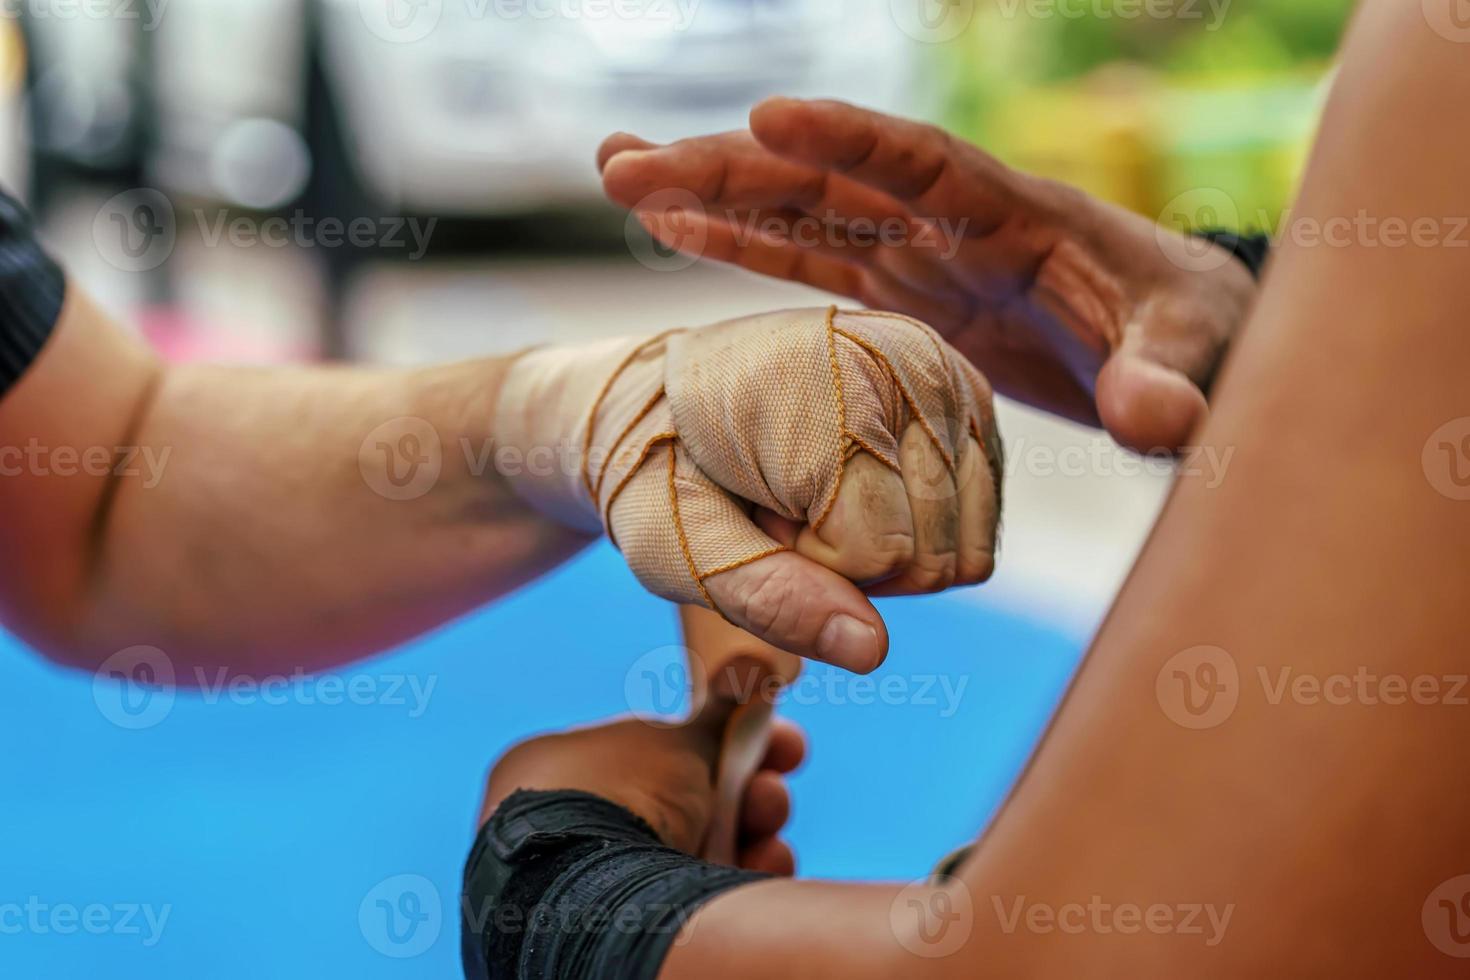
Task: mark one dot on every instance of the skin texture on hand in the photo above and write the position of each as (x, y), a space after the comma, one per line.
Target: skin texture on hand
(1066, 303)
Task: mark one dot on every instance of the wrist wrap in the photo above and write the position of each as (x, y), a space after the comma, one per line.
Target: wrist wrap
(1251, 250)
(570, 886)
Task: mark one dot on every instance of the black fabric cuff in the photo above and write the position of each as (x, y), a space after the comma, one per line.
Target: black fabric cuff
(32, 288)
(570, 886)
(1251, 250)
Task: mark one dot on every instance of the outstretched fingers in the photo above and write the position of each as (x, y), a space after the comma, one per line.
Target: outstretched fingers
(918, 164)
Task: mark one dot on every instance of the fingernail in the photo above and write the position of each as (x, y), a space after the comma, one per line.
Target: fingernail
(849, 643)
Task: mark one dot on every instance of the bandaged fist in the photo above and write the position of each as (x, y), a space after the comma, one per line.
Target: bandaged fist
(769, 467)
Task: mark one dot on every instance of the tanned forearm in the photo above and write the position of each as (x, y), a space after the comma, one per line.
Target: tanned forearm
(1315, 819)
(1256, 773)
(805, 930)
(257, 520)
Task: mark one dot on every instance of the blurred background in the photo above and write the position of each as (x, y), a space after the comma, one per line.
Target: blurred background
(187, 159)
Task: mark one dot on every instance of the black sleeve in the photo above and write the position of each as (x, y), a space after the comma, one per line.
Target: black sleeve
(1251, 250)
(31, 291)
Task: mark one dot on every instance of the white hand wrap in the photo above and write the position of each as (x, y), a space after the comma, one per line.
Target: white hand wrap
(668, 442)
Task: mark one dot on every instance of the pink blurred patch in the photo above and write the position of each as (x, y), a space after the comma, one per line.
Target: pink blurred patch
(181, 338)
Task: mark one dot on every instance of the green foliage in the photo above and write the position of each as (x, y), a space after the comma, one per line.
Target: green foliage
(1206, 36)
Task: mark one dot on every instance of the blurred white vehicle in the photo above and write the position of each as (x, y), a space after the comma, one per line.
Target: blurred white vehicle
(486, 107)
(497, 106)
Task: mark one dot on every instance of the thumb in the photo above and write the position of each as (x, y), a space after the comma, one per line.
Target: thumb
(1146, 406)
(673, 522)
(1150, 392)
(796, 604)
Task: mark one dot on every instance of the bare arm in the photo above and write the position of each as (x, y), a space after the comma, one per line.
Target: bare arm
(236, 517)
(1299, 833)
(269, 520)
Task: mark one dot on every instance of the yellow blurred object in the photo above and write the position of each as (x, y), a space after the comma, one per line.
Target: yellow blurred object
(12, 58)
(1099, 138)
(1146, 142)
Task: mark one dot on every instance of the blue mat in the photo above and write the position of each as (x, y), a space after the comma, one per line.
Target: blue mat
(317, 827)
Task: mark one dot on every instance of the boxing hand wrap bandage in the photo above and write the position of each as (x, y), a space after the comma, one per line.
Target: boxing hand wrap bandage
(570, 886)
(669, 443)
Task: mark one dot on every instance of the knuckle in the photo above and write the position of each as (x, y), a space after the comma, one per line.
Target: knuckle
(976, 568)
(896, 547)
(879, 556)
(933, 573)
(772, 606)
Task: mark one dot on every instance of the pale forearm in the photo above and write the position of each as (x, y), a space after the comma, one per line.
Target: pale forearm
(261, 520)
(305, 517)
